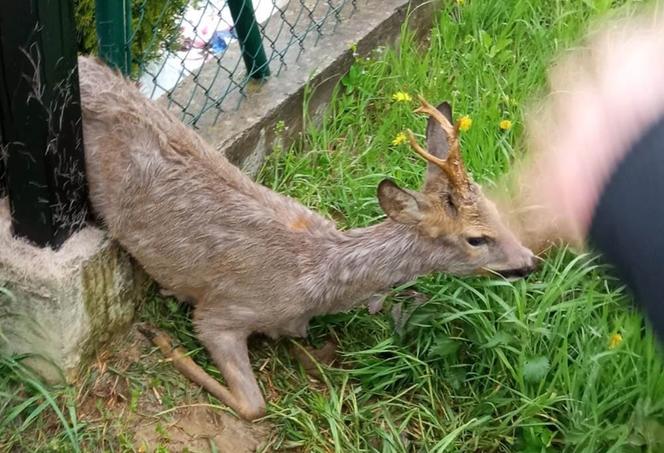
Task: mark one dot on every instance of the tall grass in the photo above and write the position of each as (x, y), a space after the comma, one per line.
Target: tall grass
(28, 407)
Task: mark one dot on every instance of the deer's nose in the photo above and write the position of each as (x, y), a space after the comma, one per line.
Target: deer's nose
(530, 262)
(516, 273)
(531, 259)
(526, 267)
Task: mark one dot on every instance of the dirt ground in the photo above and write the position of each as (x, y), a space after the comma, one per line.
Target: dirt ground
(159, 413)
(197, 428)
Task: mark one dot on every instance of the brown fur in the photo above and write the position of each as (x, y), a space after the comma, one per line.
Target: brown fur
(300, 224)
(253, 260)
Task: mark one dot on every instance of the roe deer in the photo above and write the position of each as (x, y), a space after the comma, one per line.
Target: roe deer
(252, 260)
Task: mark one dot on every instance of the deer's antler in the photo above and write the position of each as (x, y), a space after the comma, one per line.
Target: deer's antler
(426, 155)
(452, 166)
(432, 111)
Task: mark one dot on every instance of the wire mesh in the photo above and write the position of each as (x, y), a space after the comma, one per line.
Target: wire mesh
(204, 50)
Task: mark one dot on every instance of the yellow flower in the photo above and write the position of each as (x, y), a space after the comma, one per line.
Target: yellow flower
(505, 125)
(460, 2)
(615, 340)
(465, 122)
(401, 96)
(399, 139)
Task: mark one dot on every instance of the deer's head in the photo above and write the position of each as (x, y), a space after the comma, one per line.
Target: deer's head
(450, 213)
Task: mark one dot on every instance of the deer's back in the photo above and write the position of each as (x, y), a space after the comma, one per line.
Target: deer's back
(190, 217)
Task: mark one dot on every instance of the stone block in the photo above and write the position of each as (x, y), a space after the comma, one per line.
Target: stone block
(61, 306)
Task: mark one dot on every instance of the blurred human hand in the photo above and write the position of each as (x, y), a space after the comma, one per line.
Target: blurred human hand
(603, 97)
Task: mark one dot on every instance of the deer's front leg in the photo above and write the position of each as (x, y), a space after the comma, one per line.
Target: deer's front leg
(229, 352)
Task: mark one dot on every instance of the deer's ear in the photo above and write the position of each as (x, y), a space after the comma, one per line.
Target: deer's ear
(437, 143)
(402, 206)
(436, 137)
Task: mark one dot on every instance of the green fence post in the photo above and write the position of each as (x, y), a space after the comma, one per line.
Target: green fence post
(113, 20)
(40, 120)
(249, 35)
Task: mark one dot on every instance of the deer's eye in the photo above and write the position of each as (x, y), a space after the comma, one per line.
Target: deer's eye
(476, 241)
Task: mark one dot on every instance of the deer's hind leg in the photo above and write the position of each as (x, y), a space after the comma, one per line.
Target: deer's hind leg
(229, 352)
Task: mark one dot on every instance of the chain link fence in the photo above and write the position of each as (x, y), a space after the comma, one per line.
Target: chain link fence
(201, 55)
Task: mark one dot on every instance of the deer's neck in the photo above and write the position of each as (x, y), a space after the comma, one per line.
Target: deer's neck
(365, 261)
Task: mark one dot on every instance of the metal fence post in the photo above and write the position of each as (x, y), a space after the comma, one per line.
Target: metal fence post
(40, 120)
(3, 174)
(249, 35)
(113, 21)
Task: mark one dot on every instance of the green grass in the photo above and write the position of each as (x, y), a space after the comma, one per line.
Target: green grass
(484, 365)
(24, 400)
